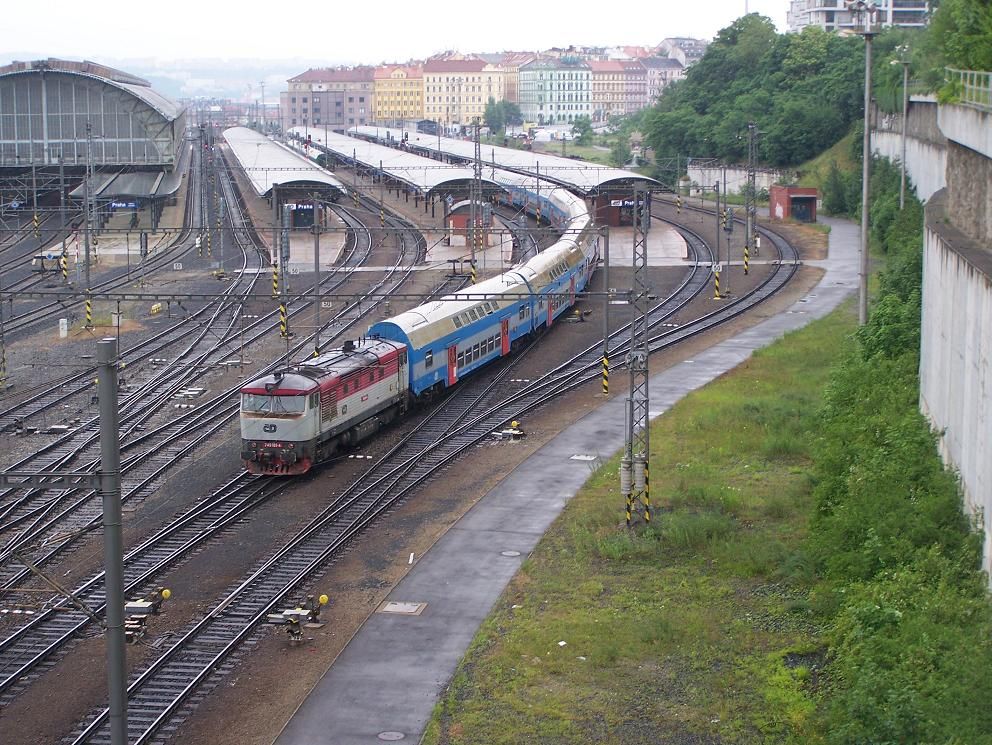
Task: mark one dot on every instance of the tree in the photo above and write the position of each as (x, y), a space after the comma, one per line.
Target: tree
(620, 152)
(582, 129)
(834, 191)
(512, 114)
(494, 116)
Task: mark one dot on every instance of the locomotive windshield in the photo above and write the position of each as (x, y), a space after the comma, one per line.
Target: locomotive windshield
(257, 403)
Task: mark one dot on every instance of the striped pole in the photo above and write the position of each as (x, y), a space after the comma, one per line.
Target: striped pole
(747, 256)
(275, 279)
(475, 276)
(382, 217)
(89, 311)
(606, 376)
(283, 321)
(646, 497)
(37, 225)
(64, 266)
(355, 195)
(716, 285)
(629, 508)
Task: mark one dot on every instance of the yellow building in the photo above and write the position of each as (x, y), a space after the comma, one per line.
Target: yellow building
(456, 91)
(399, 93)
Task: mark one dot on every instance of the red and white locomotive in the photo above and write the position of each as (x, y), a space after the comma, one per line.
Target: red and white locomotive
(296, 417)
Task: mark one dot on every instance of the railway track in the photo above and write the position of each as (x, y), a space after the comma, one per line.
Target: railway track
(166, 690)
(37, 642)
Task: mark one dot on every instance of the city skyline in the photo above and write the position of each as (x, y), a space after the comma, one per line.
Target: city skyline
(391, 33)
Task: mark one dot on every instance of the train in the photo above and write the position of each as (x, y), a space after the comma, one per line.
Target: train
(298, 416)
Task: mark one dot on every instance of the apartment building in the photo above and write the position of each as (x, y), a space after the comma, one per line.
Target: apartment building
(456, 90)
(555, 91)
(833, 15)
(399, 93)
(662, 72)
(619, 87)
(337, 98)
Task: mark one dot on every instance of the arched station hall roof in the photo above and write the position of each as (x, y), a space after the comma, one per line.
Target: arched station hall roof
(267, 163)
(586, 178)
(45, 106)
(418, 172)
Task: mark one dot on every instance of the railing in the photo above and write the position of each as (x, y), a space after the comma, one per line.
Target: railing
(972, 87)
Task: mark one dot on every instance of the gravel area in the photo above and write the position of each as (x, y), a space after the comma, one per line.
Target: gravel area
(252, 704)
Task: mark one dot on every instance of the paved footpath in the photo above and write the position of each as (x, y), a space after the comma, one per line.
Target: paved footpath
(385, 683)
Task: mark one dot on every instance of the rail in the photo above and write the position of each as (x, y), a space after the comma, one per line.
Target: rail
(972, 87)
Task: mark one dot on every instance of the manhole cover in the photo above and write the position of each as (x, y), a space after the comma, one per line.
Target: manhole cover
(391, 736)
(509, 553)
(402, 608)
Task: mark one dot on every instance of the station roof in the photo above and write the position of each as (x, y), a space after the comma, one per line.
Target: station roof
(137, 184)
(587, 178)
(267, 163)
(423, 174)
(137, 87)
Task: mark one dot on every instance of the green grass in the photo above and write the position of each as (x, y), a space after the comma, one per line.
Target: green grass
(695, 627)
(814, 172)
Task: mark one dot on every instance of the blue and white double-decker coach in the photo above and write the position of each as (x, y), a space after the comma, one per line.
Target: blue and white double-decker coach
(451, 337)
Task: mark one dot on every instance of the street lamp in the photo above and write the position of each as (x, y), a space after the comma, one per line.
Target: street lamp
(864, 15)
(903, 51)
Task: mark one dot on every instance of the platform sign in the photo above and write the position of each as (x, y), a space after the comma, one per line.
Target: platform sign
(178, 266)
(717, 268)
(326, 303)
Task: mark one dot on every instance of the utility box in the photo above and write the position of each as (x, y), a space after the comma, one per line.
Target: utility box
(793, 202)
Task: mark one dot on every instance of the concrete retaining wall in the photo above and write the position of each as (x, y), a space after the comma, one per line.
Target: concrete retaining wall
(956, 356)
(926, 146)
(736, 178)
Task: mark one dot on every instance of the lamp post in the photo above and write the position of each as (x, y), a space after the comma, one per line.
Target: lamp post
(903, 51)
(864, 13)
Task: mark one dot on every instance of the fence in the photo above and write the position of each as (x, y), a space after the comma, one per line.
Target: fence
(973, 87)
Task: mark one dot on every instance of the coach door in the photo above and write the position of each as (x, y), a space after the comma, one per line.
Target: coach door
(452, 364)
(571, 292)
(504, 335)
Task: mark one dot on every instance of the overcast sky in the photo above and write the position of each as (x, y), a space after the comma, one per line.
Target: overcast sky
(349, 31)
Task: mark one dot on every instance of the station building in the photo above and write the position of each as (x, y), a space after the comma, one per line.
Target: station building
(60, 117)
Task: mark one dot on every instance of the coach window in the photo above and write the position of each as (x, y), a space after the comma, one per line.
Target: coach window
(458, 322)
(429, 358)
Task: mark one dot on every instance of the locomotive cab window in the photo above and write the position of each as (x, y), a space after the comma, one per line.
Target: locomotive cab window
(261, 404)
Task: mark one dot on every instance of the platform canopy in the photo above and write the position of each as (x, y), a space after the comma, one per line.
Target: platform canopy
(267, 163)
(420, 173)
(585, 177)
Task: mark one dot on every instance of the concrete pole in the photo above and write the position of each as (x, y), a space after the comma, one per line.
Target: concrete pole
(316, 279)
(865, 189)
(86, 205)
(905, 110)
(113, 553)
(606, 301)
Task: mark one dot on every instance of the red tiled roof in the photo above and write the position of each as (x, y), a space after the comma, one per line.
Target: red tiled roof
(454, 65)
